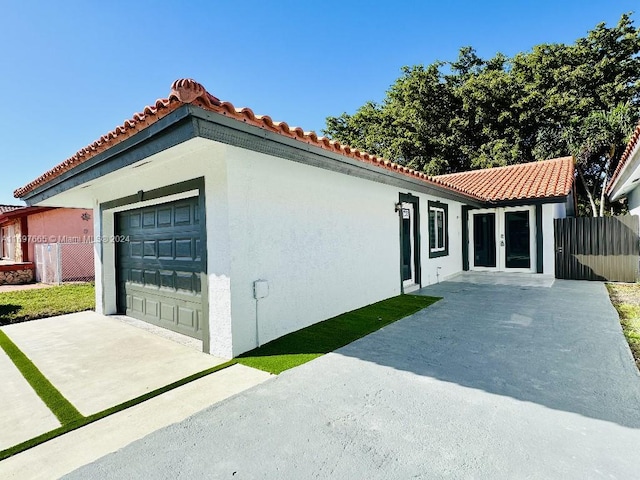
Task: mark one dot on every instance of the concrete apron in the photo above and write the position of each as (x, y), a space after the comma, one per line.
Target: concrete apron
(22, 414)
(98, 362)
(66, 453)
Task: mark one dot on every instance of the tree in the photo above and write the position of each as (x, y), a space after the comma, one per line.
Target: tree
(554, 100)
(595, 143)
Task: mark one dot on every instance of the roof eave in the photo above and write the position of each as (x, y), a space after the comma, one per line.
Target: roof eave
(22, 212)
(528, 201)
(615, 189)
(412, 182)
(66, 181)
(191, 117)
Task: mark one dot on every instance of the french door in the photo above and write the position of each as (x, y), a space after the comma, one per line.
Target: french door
(502, 239)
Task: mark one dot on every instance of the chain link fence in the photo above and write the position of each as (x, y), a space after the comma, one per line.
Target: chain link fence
(58, 263)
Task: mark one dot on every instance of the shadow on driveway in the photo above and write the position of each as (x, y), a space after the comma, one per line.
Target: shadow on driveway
(560, 347)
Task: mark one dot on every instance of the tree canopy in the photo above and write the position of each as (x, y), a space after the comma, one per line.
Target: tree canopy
(581, 99)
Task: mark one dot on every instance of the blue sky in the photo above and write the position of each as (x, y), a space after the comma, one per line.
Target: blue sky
(71, 71)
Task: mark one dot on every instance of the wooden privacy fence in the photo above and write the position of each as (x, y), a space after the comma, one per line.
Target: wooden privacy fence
(600, 248)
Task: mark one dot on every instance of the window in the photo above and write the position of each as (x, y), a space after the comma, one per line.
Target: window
(438, 230)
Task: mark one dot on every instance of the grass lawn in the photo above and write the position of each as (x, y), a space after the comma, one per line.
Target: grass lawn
(304, 345)
(626, 300)
(23, 305)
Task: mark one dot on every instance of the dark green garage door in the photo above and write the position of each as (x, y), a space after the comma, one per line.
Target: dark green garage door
(159, 265)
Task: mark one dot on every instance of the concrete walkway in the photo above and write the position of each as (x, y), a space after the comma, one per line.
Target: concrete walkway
(494, 381)
(26, 286)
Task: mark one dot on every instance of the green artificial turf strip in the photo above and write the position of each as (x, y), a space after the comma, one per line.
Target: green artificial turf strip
(59, 406)
(23, 305)
(308, 343)
(82, 421)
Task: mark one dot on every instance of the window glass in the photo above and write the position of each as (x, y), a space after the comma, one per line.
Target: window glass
(438, 230)
(432, 229)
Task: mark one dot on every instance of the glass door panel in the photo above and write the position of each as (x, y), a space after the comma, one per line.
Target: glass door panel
(517, 239)
(406, 244)
(484, 240)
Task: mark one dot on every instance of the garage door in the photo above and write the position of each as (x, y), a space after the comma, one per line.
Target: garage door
(159, 265)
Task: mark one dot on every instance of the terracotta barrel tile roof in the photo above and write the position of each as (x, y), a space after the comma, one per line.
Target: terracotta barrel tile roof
(187, 91)
(535, 180)
(633, 142)
(9, 208)
(536, 183)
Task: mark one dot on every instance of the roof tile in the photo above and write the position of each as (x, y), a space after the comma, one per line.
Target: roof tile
(9, 208)
(535, 180)
(633, 142)
(481, 185)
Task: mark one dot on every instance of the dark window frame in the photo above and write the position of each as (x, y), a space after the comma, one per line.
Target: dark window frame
(435, 251)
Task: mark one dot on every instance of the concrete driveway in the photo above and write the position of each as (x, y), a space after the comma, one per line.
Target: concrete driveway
(98, 362)
(494, 381)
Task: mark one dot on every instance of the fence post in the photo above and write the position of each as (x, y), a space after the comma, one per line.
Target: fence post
(59, 263)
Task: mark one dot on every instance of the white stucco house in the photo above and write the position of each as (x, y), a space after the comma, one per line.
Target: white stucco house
(626, 178)
(235, 229)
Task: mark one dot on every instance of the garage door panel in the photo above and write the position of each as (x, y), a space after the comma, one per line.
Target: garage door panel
(160, 265)
(186, 317)
(134, 219)
(172, 310)
(151, 278)
(167, 279)
(183, 215)
(165, 249)
(137, 304)
(149, 249)
(152, 308)
(149, 219)
(167, 312)
(135, 248)
(184, 248)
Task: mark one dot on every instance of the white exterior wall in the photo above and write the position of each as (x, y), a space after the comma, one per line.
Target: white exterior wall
(633, 201)
(550, 211)
(435, 270)
(325, 242)
(193, 159)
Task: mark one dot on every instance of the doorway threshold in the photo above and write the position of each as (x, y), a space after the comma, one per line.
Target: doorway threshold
(411, 288)
(505, 278)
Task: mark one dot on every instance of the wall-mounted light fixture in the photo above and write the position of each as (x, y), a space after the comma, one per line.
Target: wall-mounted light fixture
(398, 206)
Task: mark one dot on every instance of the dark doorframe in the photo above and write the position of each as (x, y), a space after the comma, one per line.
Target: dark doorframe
(465, 237)
(415, 201)
(539, 240)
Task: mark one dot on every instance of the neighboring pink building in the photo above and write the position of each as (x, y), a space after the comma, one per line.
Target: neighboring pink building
(22, 228)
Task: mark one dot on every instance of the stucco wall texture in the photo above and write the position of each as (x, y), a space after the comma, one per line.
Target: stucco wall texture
(61, 225)
(11, 247)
